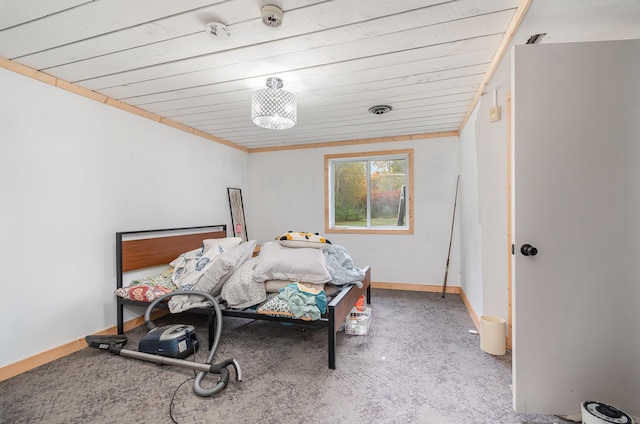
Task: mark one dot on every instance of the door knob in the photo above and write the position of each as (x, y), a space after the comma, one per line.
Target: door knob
(528, 250)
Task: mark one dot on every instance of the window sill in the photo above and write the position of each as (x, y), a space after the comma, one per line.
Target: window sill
(403, 231)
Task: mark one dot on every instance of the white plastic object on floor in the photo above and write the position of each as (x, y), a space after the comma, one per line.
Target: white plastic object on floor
(358, 322)
(601, 413)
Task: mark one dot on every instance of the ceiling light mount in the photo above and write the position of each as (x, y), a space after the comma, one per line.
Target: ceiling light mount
(271, 15)
(274, 108)
(217, 29)
(380, 109)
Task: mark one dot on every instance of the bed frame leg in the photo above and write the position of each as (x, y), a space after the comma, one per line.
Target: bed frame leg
(331, 345)
(120, 314)
(212, 329)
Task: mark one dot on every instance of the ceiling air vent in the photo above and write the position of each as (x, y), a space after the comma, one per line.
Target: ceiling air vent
(379, 109)
(272, 15)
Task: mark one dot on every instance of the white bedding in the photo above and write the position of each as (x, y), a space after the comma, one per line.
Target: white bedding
(239, 280)
(210, 276)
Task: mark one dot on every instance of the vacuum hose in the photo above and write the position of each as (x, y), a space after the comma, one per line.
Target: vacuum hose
(215, 368)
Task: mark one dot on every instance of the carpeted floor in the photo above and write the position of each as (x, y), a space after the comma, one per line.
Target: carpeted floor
(418, 364)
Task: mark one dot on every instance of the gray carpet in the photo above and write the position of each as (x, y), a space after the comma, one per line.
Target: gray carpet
(418, 364)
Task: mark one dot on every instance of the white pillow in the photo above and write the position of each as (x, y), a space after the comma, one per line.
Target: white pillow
(227, 243)
(302, 264)
(274, 286)
(223, 266)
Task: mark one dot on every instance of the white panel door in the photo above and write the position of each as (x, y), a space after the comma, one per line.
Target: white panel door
(576, 185)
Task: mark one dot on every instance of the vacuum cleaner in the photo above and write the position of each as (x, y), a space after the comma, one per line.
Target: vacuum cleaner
(170, 344)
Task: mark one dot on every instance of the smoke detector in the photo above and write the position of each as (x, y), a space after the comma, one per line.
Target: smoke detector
(271, 15)
(380, 109)
(218, 30)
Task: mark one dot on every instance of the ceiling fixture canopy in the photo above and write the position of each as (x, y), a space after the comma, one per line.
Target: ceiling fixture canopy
(274, 108)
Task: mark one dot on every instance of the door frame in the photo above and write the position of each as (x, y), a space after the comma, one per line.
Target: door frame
(509, 228)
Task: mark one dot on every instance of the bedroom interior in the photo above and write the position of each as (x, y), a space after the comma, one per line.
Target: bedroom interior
(143, 120)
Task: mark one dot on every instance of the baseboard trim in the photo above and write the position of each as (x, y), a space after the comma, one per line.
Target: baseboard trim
(35, 361)
(472, 312)
(415, 287)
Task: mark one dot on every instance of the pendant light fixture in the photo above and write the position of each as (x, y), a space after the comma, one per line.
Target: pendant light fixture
(274, 108)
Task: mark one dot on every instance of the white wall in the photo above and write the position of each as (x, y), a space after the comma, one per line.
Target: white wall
(287, 193)
(73, 172)
(484, 168)
(470, 227)
(492, 190)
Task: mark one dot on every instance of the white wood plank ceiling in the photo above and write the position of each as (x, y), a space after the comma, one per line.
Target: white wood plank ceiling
(426, 58)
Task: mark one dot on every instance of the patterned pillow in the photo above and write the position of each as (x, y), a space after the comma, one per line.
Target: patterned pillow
(186, 255)
(190, 266)
(239, 290)
(274, 286)
(276, 306)
(302, 239)
(142, 292)
(223, 266)
(150, 288)
(161, 280)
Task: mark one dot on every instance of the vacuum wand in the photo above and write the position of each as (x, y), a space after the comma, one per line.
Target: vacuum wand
(114, 345)
(164, 360)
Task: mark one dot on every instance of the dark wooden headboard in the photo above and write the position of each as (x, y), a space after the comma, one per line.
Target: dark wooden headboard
(146, 248)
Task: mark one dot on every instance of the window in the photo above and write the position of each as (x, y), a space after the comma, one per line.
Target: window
(369, 192)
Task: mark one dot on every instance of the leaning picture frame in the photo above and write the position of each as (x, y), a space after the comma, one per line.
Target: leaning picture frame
(236, 207)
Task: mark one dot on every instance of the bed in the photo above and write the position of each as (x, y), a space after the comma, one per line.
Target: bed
(137, 251)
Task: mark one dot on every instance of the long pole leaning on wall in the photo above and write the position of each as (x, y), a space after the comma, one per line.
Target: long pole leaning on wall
(453, 220)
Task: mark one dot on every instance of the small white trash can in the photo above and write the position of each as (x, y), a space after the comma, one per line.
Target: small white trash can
(493, 335)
